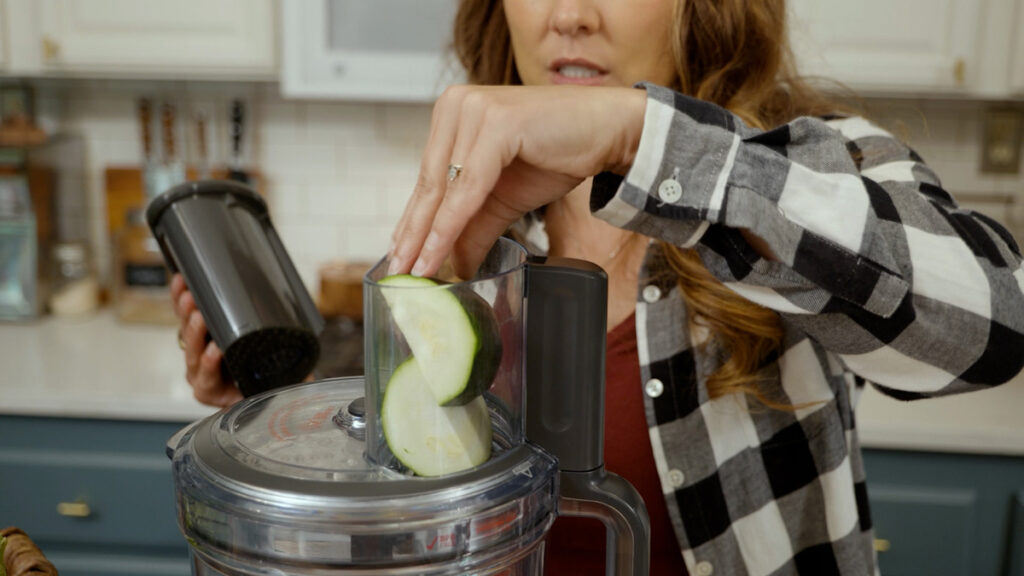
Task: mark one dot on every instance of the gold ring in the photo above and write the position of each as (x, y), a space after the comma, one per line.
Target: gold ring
(454, 171)
(181, 341)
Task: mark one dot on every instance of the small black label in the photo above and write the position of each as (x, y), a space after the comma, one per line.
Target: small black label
(145, 275)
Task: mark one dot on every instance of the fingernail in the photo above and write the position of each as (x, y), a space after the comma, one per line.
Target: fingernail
(391, 249)
(194, 319)
(419, 267)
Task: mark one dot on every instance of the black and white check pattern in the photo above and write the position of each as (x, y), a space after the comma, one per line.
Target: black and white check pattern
(879, 278)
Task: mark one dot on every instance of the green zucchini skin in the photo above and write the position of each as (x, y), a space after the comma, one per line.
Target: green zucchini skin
(487, 359)
(486, 338)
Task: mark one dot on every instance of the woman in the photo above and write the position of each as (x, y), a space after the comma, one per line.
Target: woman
(766, 259)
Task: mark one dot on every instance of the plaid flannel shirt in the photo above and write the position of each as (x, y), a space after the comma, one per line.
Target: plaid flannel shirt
(879, 278)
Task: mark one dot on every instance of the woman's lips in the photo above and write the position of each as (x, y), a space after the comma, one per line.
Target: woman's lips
(577, 71)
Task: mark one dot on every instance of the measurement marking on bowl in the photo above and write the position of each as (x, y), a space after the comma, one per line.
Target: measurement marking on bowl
(278, 423)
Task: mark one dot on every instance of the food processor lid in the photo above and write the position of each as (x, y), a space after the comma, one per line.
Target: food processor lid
(283, 475)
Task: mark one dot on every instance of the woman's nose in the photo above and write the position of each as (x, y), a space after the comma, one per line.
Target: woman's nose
(574, 17)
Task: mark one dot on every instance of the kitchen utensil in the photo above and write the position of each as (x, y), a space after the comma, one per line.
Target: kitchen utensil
(235, 171)
(218, 234)
(204, 157)
(151, 177)
(301, 481)
(173, 168)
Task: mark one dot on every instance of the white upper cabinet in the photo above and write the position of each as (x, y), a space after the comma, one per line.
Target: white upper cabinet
(923, 46)
(1017, 62)
(393, 50)
(159, 38)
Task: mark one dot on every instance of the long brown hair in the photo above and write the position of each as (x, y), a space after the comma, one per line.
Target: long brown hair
(734, 53)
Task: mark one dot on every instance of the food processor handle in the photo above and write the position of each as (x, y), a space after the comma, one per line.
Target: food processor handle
(615, 502)
(566, 329)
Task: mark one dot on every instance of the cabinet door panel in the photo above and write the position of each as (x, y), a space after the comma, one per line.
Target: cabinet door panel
(888, 44)
(153, 36)
(116, 565)
(1017, 60)
(1016, 537)
(89, 498)
(923, 531)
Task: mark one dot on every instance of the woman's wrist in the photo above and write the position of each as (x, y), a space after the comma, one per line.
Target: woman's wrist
(629, 109)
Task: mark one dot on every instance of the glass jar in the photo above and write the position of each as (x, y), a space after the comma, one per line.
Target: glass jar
(75, 289)
(18, 251)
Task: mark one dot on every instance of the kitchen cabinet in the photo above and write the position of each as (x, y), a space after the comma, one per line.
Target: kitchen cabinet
(1017, 62)
(941, 514)
(95, 495)
(155, 38)
(384, 50)
(923, 46)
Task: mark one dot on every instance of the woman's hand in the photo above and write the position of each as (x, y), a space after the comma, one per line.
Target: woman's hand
(520, 148)
(202, 358)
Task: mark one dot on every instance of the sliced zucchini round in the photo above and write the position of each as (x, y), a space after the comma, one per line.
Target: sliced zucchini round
(451, 331)
(432, 440)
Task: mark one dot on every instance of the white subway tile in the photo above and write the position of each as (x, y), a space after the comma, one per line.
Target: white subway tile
(347, 202)
(304, 162)
(308, 239)
(406, 125)
(288, 199)
(348, 124)
(367, 242)
(397, 198)
(280, 121)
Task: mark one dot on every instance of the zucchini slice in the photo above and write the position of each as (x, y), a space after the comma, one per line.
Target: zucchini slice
(452, 333)
(432, 440)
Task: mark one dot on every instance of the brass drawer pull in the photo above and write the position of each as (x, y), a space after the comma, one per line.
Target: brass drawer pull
(882, 545)
(76, 509)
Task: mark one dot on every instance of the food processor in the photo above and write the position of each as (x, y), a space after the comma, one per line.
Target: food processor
(310, 479)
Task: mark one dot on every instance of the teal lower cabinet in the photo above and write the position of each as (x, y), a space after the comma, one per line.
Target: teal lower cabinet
(96, 496)
(1016, 561)
(941, 514)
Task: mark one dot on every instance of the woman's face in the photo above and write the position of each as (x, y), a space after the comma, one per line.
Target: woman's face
(592, 42)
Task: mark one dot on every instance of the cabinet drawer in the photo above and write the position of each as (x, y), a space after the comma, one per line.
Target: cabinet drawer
(923, 531)
(89, 498)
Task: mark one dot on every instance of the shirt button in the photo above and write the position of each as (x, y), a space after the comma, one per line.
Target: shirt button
(704, 569)
(670, 191)
(654, 387)
(676, 478)
(652, 293)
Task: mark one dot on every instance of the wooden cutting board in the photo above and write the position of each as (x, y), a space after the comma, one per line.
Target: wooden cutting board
(124, 190)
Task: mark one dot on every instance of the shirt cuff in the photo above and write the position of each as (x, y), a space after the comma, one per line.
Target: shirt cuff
(679, 172)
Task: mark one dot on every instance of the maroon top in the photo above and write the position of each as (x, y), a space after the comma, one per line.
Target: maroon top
(576, 545)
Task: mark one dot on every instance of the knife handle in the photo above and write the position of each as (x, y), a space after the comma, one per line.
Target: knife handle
(168, 130)
(145, 114)
(201, 136)
(237, 119)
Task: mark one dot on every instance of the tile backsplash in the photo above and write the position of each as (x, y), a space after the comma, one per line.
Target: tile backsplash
(338, 174)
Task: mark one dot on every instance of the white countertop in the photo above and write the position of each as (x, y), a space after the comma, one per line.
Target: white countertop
(97, 367)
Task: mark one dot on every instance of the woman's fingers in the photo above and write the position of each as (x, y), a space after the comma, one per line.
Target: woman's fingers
(177, 286)
(466, 188)
(414, 225)
(464, 199)
(193, 335)
(209, 387)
